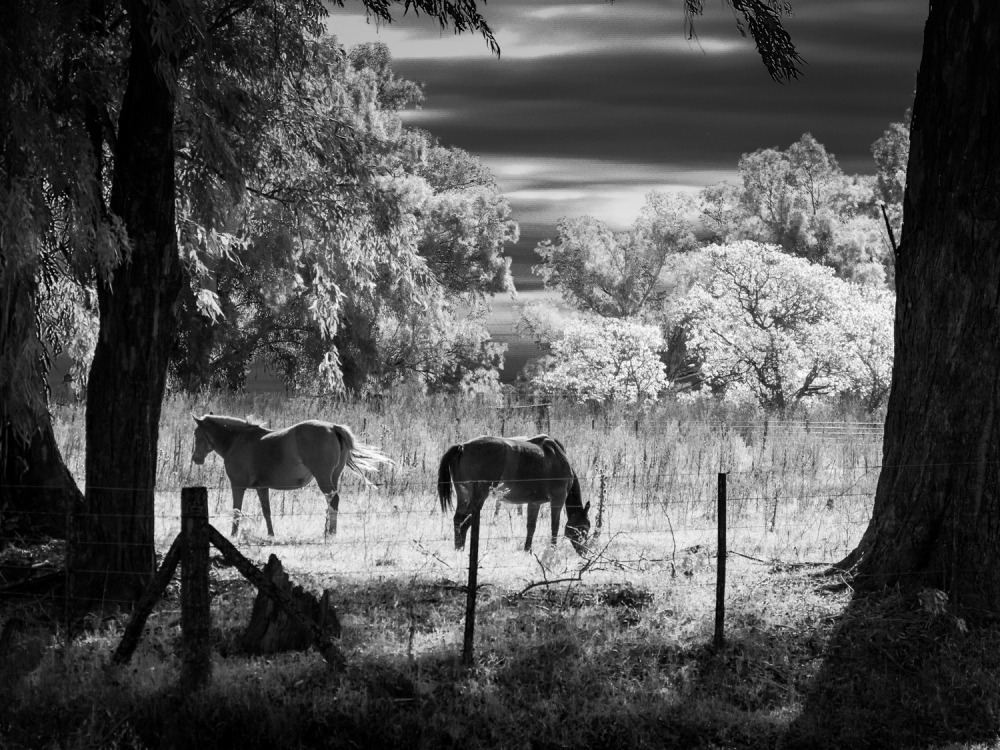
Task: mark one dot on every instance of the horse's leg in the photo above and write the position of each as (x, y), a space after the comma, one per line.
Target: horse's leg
(265, 506)
(237, 507)
(332, 509)
(330, 489)
(532, 519)
(557, 506)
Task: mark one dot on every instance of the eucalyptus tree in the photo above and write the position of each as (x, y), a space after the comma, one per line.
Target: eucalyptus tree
(52, 225)
(108, 80)
(348, 271)
(937, 506)
(936, 517)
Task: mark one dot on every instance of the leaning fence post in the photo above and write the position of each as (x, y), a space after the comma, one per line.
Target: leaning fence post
(470, 599)
(152, 594)
(196, 667)
(720, 568)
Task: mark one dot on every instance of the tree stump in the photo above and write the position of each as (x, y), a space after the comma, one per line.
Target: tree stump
(272, 631)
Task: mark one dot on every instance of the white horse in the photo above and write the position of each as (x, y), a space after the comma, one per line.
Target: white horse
(262, 459)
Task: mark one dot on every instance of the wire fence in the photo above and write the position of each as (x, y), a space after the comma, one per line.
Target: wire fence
(640, 528)
(654, 514)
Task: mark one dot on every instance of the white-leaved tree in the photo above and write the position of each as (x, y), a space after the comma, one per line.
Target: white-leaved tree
(605, 360)
(768, 322)
(867, 321)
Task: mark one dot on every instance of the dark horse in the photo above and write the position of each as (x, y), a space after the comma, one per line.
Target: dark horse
(288, 459)
(530, 470)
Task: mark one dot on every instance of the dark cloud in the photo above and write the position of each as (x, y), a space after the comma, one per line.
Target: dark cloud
(638, 108)
(592, 104)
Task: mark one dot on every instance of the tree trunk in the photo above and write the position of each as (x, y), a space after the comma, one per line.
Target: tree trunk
(138, 324)
(272, 631)
(36, 488)
(936, 519)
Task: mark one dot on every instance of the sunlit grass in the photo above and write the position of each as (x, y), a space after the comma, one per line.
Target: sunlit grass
(794, 494)
(617, 655)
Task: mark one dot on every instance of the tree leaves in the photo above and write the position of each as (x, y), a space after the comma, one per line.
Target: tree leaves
(762, 18)
(787, 330)
(617, 274)
(609, 360)
(801, 200)
(357, 237)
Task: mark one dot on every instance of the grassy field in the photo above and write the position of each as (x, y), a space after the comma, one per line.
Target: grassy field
(797, 491)
(617, 657)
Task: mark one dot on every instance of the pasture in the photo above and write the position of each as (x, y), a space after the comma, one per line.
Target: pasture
(615, 654)
(798, 491)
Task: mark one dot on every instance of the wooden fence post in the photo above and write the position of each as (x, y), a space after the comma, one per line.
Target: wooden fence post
(720, 568)
(196, 667)
(599, 525)
(470, 600)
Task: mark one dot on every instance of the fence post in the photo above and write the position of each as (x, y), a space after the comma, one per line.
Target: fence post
(599, 525)
(720, 568)
(196, 667)
(470, 600)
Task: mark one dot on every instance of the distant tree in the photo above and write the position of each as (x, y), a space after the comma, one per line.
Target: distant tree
(800, 200)
(866, 325)
(891, 152)
(617, 274)
(768, 322)
(442, 350)
(607, 360)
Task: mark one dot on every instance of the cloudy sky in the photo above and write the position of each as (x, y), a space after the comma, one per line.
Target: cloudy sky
(591, 105)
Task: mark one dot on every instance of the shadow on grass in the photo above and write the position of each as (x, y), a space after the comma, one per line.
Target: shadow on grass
(584, 669)
(894, 676)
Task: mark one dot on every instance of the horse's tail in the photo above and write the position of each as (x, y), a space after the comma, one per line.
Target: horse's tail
(360, 456)
(444, 477)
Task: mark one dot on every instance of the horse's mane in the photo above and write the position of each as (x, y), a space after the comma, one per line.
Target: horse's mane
(235, 423)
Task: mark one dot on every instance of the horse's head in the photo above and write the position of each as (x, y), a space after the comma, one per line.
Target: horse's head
(202, 444)
(578, 528)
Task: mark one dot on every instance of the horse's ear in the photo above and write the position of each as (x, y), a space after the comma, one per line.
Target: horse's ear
(586, 508)
(196, 419)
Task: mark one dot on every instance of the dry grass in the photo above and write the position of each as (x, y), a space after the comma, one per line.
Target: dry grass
(793, 495)
(619, 658)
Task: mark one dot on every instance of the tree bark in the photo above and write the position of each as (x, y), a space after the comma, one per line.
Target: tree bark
(36, 488)
(138, 323)
(271, 630)
(936, 520)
